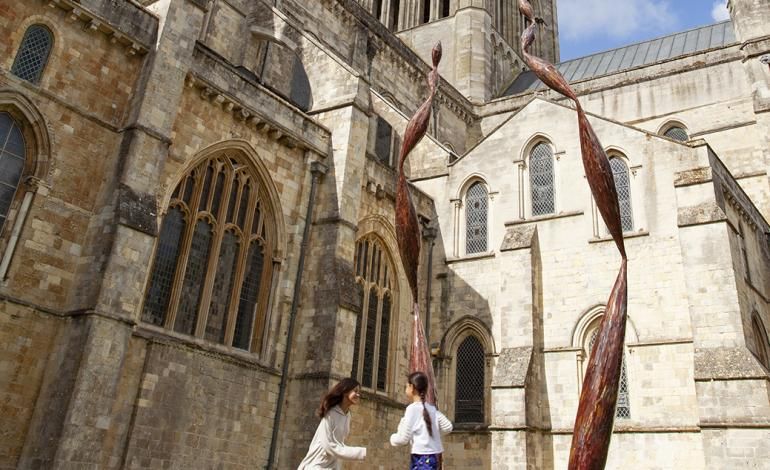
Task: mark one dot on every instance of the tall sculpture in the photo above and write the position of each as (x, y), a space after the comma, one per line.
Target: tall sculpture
(596, 410)
(408, 229)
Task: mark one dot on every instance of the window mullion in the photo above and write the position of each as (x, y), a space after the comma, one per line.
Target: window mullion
(181, 268)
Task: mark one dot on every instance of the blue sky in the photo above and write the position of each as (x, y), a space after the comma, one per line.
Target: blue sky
(588, 26)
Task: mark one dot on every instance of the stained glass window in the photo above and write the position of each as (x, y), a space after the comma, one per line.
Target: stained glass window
(12, 158)
(372, 332)
(541, 179)
(210, 276)
(623, 186)
(469, 389)
(33, 53)
(476, 208)
(623, 407)
(677, 133)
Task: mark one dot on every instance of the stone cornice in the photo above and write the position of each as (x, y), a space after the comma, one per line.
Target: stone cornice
(221, 84)
(125, 22)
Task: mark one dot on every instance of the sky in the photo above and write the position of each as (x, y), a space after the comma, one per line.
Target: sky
(588, 26)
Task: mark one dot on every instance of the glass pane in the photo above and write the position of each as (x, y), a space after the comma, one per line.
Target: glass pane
(10, 169)
(6, 197)
(469, 391)
(164, 267)
(223, 286)
(233, 198)
(217, 200)
(371, 330)
(204, 201)
(382, 363)
(249, 297)
(677, 133)
(15, 143)
(541, 179)
(476, 219)
(187, 315)
(33, 54)
(623, 186)
(243, 206)
(189, 185)
(359, 317)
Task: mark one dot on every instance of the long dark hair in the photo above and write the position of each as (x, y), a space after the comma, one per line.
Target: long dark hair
(334, 396)
(420, 383)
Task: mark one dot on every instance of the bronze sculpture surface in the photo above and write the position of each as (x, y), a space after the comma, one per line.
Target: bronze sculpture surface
(596, 409)
(408, 228)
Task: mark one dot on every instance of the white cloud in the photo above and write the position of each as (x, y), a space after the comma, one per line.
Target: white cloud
(719, 11)
(581, 19)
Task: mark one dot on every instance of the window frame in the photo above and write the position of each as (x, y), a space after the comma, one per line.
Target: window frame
(46, 59)
(470, 186)
(260, 202)
(618, 157)
(385, 284)
(484, 380)
(669, 126)
(531, 149)
(760, 341)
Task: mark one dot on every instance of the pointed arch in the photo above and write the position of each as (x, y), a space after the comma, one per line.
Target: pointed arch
(36, 132)
(465, 346)
(378, 283)
(473, 222)
(212, 274)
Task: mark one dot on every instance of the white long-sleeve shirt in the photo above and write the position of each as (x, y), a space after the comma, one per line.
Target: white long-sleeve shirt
(412, 429)
(328, 445)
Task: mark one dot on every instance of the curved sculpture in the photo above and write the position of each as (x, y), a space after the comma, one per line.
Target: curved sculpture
(596, 410)
(408, 228)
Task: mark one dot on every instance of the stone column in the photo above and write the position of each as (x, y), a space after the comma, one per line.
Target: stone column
(75, 422)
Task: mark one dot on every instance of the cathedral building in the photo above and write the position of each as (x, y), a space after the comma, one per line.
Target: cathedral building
(196, 233)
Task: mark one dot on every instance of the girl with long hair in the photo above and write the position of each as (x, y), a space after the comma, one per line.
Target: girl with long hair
(421, 426)
(328, 445)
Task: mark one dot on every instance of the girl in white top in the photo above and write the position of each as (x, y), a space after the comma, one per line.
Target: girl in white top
(421, 426)
(328, 445)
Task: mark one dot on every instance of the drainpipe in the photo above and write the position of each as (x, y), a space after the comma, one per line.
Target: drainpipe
(317, 169)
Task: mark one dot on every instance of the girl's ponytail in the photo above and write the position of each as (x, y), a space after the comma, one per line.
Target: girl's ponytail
(420, 383)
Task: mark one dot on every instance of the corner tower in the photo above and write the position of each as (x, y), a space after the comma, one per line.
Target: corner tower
(480, 38)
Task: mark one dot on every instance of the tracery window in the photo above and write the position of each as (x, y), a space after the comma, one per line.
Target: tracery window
(376, 291)
(541, 178)
(33, 53)
(212, 269)
(623, 407)
(476, 215)
(623, 187)
(677, 133)
(12, 160)
(469, 382)
(761, 344)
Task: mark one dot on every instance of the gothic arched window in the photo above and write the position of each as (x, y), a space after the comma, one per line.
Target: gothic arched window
(376, 293)
(469, 382)
(211, 276)
(676, 132)
(476, 215)
(761, 345)
(33, 53)
(623, 407)
(541, 179)
(623, 186)
(12, 160)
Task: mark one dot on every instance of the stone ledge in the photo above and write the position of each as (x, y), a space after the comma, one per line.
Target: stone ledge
(702, 214)
(543, 218)
(512, 367)
(518, 237)
(727, 363)
(473, 257)
(172, 339)
(626, 236)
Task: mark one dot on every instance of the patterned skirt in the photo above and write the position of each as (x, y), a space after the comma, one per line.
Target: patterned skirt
(425, 462)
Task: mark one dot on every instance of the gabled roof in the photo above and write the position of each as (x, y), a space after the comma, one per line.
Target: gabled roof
(635, 55)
